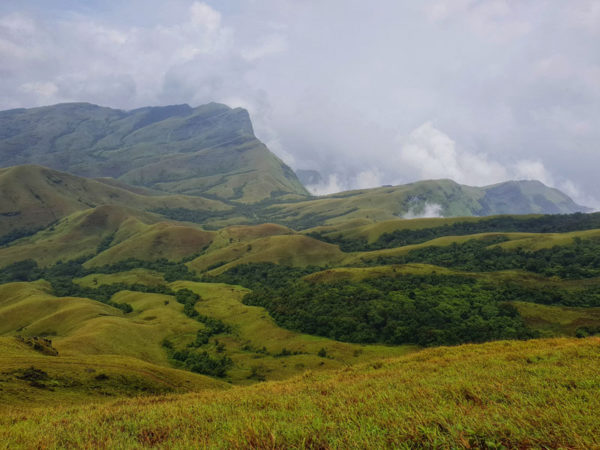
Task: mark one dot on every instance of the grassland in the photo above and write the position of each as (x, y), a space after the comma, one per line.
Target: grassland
(534, 394)
(88, 334)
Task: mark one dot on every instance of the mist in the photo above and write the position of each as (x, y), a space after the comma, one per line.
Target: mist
(479, 92)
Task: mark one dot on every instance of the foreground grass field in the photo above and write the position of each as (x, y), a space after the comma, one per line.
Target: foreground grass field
(534, 394)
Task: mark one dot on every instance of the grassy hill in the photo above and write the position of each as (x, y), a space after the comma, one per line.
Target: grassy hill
(34, 197)
(448, 199)
(208, 150)
(535, 394)
(114, 299)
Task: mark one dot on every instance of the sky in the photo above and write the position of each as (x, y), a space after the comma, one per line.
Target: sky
(366, 93)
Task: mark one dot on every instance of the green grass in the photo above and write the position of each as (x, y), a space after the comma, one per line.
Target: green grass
(358, 257)
(255, 329)
(290, 250)
(535, 394)
(557, 320)
(81, 378)
(83, 329)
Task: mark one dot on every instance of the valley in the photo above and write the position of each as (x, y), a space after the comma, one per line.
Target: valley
(155, 300)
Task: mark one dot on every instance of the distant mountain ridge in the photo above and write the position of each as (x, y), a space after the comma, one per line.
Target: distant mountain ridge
(160, 159)
(33, 197)
(210, 150)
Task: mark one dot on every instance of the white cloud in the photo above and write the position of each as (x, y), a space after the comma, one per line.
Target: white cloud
(368, 179)
(268, 45)
(426, 211)
(585, 15)
(42, 88)
(506, 82)
(428, 153)
(332, 186)
(532, 170)
(202, 15)
(494, 20)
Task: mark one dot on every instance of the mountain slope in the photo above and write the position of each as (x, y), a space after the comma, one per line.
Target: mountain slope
(209, 150)
(536, 394)
(33, 196)
(431, 198)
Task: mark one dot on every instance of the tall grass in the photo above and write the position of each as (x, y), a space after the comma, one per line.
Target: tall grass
(535, 394)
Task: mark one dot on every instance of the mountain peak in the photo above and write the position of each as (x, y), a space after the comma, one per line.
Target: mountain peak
(205, 150)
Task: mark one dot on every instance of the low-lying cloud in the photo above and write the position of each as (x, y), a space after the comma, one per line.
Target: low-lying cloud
(426, 211)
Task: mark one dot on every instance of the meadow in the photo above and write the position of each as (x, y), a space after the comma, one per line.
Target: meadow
(506, 394)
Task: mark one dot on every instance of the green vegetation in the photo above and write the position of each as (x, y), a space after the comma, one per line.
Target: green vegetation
(424, 310)
(178, 287)
(578, 260)
(209, 150)
(560, 223)
(534, 394)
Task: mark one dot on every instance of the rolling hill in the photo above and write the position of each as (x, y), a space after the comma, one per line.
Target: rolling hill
(194, 265)
(32, 197)
(437, 198)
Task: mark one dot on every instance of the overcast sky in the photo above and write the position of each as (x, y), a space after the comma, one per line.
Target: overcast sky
(367, 93)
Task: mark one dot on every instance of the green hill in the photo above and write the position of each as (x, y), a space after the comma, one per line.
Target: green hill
(536, 394)
(34, 197)
(443, 198)
(208, 150)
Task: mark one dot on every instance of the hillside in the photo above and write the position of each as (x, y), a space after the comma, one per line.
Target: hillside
(114, 304)
(33, 197)
(536, 394)
(208, 150)
(437, 198)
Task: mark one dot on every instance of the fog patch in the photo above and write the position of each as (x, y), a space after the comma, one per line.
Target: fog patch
(426, 211)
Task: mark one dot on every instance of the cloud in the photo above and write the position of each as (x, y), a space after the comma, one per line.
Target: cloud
(506, 86)
(268, 45)
(495, 20)
(203, 16)
(194, 60)
(331, 186)
(428, 153)
(425, 211)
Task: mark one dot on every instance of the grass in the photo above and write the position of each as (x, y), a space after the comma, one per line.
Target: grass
(539, 241)
(84, 330)
(35, 196)
(81, 378)
(534, 394)
(139, 276)
(161, 240)
(357, 257)
(291, 250)
(362, 273)
(255, 329)
(557, 320)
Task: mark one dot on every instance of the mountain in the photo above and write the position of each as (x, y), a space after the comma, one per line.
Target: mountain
(33, 197)
(432, 198)
(209, 150)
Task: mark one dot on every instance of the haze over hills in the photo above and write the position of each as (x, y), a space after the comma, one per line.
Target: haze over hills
(208, 150)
